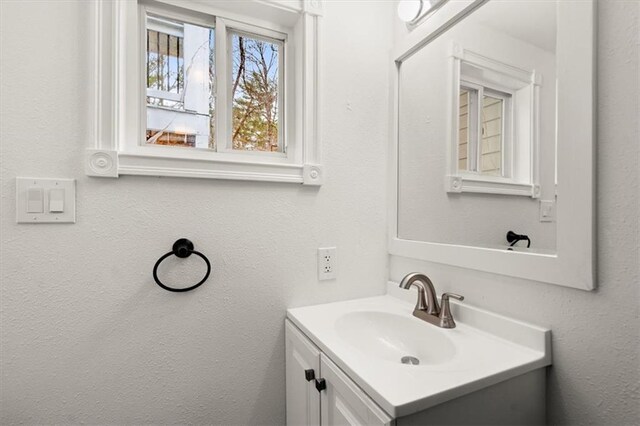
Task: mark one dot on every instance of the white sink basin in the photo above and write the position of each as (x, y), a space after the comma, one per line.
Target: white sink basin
(392, 337)
(367, 338)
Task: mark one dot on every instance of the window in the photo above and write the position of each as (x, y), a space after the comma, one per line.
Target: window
(255, 93)
(494, 134)
(180, 97)
(220, 90)
(483, 118)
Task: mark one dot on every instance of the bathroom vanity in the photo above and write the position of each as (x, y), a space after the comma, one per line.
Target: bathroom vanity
(492, 133)
(371, 362)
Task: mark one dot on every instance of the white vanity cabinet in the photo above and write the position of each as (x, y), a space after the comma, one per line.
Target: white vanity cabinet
(344, 366)
(327, 396)
(303, 400)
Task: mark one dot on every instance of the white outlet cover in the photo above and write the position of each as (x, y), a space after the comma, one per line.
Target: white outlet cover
(327, 263)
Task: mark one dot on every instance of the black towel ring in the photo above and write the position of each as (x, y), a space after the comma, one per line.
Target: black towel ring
(181, 248)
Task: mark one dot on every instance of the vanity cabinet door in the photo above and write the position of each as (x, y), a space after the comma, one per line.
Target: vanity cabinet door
(303, 400)
(344, 403)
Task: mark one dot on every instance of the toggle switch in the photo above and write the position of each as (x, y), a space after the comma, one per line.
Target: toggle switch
(35, 200)
(56, 201)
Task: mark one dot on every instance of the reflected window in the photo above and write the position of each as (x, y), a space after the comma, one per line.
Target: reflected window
(491, 137)
(481, 129)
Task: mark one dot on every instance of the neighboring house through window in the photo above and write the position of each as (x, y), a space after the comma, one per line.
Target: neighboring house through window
(180, 99)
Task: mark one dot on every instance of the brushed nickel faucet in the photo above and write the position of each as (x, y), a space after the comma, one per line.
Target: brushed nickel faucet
(427, 308)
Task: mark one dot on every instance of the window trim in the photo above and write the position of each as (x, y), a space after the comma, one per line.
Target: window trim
(512, 181)
(117, 112)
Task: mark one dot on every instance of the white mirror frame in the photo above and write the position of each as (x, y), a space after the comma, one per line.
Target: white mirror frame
(573, 263)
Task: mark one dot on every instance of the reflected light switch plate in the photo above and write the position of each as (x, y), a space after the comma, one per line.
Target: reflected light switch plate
(547, 211)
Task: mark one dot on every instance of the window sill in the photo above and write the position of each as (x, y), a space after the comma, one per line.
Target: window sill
(105, 163)
(462, 183)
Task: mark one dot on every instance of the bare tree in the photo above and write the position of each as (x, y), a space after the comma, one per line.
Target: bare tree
(255, 95)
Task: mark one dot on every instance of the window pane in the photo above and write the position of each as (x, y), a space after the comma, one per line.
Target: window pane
(255, 80)
(463, 130)
(159, 137)
(491, 144)
(180, 84)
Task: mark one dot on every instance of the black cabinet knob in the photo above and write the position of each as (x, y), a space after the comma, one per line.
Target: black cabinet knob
(321, 385)
(309, 374)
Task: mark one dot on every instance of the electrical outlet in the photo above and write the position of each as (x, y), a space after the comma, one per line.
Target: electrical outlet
(327, 263)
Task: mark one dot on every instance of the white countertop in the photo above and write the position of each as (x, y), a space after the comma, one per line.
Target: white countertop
(489, 348)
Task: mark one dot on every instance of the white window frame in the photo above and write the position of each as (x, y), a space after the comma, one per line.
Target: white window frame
(117, 146)
(520, 156)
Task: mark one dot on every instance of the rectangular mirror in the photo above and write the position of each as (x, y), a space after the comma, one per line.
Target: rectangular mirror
(493, 140)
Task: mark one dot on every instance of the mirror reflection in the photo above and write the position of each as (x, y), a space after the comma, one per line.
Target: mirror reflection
(477, 131)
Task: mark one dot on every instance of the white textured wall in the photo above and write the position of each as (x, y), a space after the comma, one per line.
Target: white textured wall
(595, 378)
(87, 336)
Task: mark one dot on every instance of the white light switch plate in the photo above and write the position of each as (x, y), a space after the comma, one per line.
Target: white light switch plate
(64, 198)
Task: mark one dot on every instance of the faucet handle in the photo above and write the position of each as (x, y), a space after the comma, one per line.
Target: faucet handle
(446, 319)
(446, 296)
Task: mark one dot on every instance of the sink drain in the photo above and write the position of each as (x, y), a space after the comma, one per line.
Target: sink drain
(411, 360)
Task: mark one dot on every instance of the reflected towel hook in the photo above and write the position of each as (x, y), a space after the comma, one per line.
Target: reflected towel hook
(182, 248)
(513, 238)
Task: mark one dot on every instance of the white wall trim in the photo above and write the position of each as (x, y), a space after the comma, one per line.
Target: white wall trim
(465, 183)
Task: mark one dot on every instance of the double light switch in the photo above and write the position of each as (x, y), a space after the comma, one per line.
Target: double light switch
(45, 200)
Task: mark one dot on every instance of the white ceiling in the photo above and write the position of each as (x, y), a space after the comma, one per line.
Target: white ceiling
(533, 21)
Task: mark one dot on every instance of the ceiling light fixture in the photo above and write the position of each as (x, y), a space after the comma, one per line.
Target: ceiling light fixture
(410, 11)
